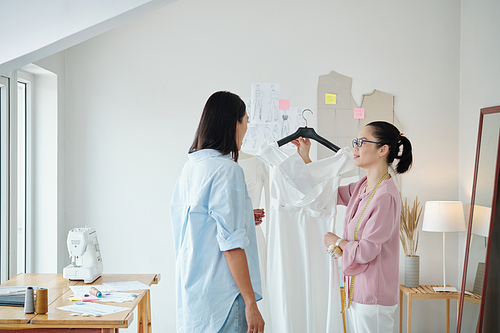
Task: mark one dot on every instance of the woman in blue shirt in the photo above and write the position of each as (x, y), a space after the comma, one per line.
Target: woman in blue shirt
(217, 268)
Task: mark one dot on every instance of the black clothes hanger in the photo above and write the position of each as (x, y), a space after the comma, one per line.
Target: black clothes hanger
(307, 132)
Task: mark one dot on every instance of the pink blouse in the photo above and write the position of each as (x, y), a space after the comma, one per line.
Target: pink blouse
(374, 258)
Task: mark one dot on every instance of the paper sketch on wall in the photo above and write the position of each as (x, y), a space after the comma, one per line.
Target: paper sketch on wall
(288, 122)
(264, 105)
(272, 104)
(258, 97)
(257, 133)
(292, 119)
(265, 120)
(269, 116)
(285, 127)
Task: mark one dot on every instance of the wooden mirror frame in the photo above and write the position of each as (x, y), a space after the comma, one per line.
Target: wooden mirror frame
(495, 214)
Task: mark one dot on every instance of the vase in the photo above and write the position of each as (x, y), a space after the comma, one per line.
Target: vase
(412, 271)
(478, 282)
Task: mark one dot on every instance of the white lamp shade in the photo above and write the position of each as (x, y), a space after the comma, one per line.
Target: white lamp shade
(481, 218)
(443, 216)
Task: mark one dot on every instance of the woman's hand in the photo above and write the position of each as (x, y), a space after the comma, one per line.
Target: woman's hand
(258, 214)
(255, 321)
(303, 148)
(330, 239)
(238, 266)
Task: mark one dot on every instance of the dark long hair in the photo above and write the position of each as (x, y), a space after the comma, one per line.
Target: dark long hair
(217, 127)
(388, 134)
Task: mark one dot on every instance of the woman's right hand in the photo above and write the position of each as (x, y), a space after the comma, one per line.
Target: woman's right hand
(303, 147)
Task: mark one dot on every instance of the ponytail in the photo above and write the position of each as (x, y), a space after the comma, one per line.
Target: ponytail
(388, 134)
(406, 156)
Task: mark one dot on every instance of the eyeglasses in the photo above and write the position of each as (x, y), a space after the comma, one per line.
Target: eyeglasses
(359, 142)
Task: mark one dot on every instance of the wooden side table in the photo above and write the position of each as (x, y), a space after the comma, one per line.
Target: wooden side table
(423, 292)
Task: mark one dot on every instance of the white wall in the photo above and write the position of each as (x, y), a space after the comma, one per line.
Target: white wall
(479, 88)
(33, 29)
(135, 94)
(44, 163)
(50, 135)
(479, 78)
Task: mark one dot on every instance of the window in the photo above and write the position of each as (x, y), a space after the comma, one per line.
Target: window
(15, 173)
(24, 93)
(4, 229)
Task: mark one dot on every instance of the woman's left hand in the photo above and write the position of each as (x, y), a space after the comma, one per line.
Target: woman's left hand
(258, 214)
(330, 239)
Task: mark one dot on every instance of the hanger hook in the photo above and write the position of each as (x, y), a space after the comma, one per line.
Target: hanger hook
(303, 114)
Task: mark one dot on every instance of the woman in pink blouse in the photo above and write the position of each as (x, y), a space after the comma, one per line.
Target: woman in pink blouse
(370, 243)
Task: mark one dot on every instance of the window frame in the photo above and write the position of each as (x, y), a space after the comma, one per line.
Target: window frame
(4, 177)
(9, 175)
(29, 80)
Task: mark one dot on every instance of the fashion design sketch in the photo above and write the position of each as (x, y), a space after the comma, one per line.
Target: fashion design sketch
(288, 122)
(264, 116)
(302, 291)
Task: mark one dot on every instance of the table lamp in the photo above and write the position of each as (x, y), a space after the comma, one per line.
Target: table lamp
(443, 216)
(481, 218)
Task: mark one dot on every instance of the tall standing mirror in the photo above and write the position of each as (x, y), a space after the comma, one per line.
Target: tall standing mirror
(478, 288)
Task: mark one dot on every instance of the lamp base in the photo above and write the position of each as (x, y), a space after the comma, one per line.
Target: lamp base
(451, 289)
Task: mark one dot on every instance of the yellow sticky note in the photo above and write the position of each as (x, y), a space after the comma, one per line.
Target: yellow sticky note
(330, 99)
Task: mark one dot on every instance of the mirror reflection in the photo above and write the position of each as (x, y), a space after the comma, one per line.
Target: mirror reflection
(481, 217)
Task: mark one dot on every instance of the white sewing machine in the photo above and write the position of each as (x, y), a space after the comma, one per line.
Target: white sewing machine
(86, 262)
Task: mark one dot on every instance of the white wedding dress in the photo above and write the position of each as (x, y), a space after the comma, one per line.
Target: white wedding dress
(302, 289)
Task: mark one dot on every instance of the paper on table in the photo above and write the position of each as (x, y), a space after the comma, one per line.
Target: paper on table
(14, 290)
(126, 286)
(117, 297)
(85, 290)
(93, 308)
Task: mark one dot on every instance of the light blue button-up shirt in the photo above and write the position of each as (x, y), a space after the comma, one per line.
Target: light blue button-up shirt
(211, 212)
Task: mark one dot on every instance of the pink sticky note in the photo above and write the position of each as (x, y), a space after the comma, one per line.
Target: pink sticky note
(284, 104)
(359, 113)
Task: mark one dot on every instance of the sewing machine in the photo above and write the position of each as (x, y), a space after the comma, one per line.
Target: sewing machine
(86, 262)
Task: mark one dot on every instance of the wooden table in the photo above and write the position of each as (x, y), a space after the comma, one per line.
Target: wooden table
(423, 292)
(13, 319)
(427, 292)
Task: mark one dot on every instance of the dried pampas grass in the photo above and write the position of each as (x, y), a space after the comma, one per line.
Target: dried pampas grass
(408, 233)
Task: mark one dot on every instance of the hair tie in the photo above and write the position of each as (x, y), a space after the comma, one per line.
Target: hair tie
(401, 134)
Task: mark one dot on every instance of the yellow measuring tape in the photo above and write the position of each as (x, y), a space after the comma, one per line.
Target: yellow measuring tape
(357, 228)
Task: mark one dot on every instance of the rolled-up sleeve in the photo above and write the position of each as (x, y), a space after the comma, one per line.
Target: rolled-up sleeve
(228, 211)
(378, 228)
